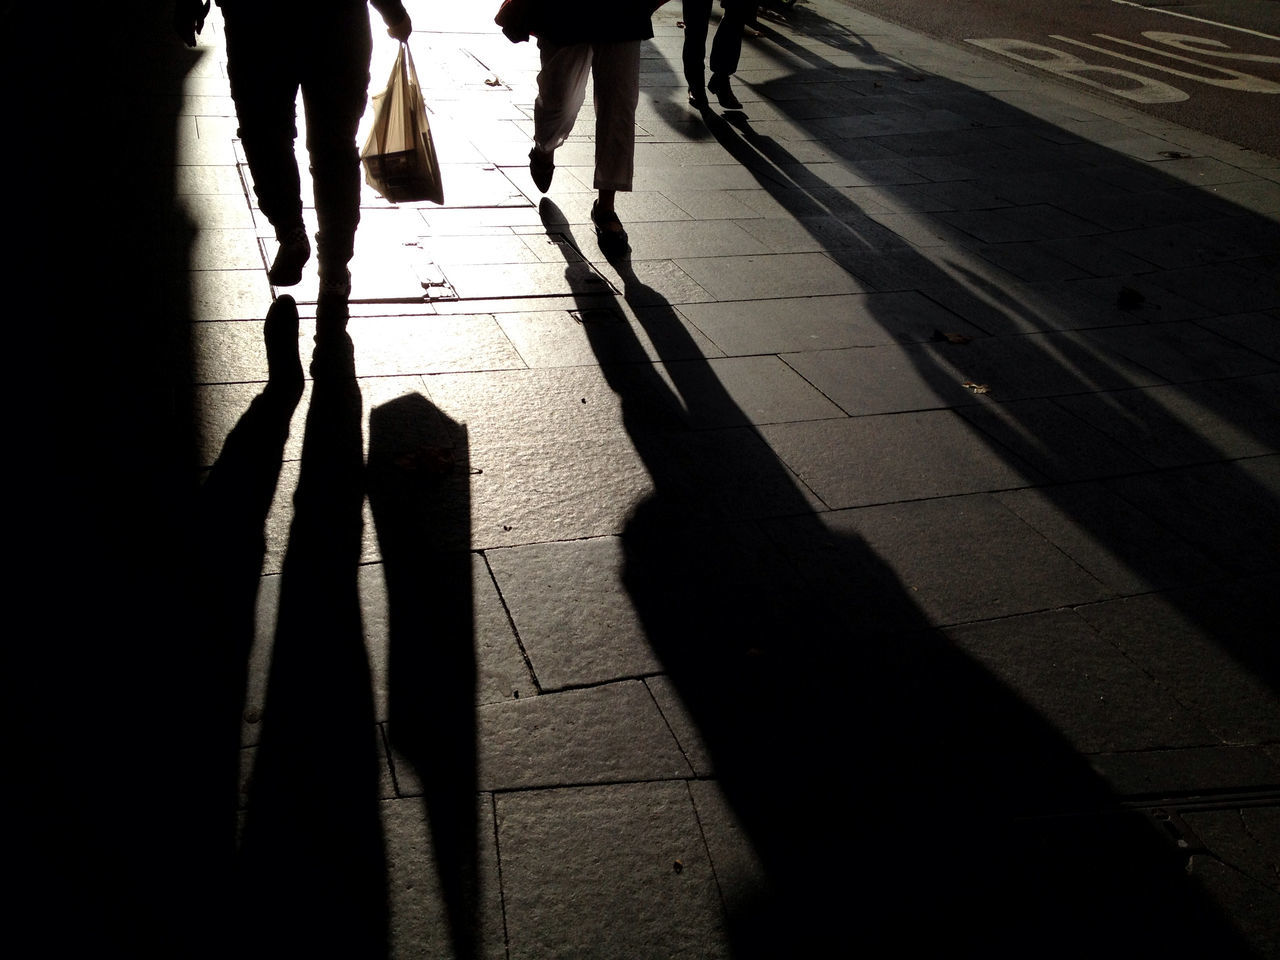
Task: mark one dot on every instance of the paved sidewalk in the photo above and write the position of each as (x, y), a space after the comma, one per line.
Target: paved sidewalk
(882, 560)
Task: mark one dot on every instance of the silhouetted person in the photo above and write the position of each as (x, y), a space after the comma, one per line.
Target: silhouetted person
(275, 48)
(577, 39)
(725, 49)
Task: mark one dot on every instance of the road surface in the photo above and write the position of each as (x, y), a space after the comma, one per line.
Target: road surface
(1211, 65)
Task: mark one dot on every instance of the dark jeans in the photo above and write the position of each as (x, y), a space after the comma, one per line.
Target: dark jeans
(325, 52)
(725, 48)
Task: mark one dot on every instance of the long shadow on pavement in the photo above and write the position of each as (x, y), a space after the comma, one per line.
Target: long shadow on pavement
(312, 864)
(419, 491)
(899, 797)
(1140, 430)
(1132, 413)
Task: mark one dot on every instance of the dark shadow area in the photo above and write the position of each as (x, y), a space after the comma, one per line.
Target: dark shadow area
(900, 798)
(312, 870)
(419, 491)
(106, 688)
(232, 511)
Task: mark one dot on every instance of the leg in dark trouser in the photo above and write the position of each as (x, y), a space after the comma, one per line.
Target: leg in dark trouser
(264, 86)
(697, 17)
(334, 87)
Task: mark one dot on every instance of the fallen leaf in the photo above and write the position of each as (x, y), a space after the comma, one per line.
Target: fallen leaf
(977, 387)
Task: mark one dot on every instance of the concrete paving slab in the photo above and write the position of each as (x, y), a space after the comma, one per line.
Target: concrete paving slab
(229, 352)
(1090, 691)
(419, 921)
(491, 249)
(575, 621)
(558, 339)
(1104, 301)
(821, 232)
(743, 390)
(1257, 196)
(887, 378)
(893, 457)
(577, 862)
(1257, 331)
(608, 734)
(444, 221)
(1212, 648)
(1180, 352)
(1244, 890)
(899, 268)
(1002, 225)
(542, 433)
(970, 558)
(220, 179)
(398, 346)
(772, 277)
(1205, 506)
(501, 671)
(916, 228)
(1171, 426)
(1180, 245)
(1095, 255)
(1225, 287)
(1029, 261)
(1187, 772)
(895, 198)
(218, 407)
(1053, 441)
(657, 283)
(797, 325)
(1119, 545)
(227, 294)
(225, 249)
(712, 204)
(682, 725)
(714, 238)
(474, 281)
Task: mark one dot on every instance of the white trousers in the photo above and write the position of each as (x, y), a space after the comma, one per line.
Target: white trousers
(562, 88)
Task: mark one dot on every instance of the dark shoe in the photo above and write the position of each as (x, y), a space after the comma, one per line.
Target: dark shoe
(719, 85)
(609, 232)
(541, 168)
(698, 98)
(294, 251)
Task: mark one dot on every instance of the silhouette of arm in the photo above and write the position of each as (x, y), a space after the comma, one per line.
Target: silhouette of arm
(396, 17)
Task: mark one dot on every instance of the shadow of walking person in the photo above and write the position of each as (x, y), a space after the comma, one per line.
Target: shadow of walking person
(898, 797)
(231, 515)
(419, 491)
(313, 869)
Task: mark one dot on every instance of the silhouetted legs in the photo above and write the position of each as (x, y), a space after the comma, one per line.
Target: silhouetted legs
(325, 53)
(726, 48)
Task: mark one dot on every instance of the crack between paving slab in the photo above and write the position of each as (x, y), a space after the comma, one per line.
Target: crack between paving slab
(515, 632)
